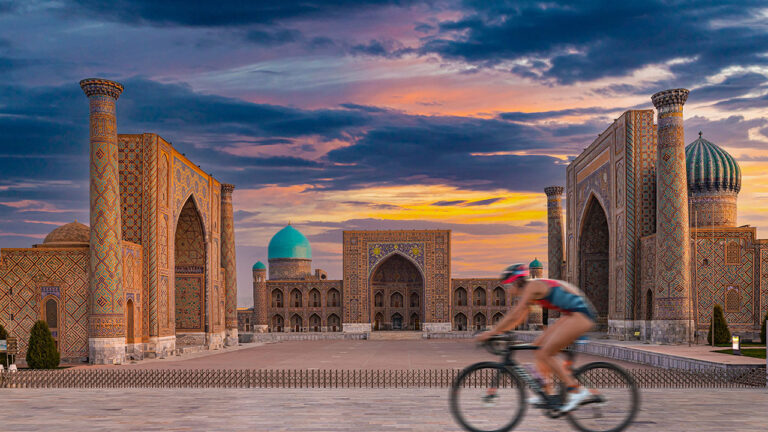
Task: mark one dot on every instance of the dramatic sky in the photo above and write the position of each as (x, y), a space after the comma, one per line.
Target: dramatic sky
(366, 114)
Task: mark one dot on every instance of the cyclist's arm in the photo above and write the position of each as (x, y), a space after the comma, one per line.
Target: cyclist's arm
(515, 317)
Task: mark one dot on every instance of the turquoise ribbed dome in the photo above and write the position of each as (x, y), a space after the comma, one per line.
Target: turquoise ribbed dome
(710, 168)
(259, 266)
(535, 264)
(289, 243)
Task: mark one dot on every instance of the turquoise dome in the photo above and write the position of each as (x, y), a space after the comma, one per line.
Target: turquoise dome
(259, 266)
(710, 168)
(289, 243)
(535, 264)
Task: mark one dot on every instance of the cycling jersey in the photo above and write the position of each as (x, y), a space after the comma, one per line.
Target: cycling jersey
(565, 301)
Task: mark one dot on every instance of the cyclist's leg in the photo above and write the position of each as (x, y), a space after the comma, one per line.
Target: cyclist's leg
(542, 367)
(567, 329)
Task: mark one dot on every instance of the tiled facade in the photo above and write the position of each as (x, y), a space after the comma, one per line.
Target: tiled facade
(170, 277)
(627, 203)
(393, 280)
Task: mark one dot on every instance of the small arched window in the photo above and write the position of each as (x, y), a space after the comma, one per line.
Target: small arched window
(461, 296)
(479, 295)
(460, 322)
(378, 299)
(414, 300)
(314, 298)
(333, 298)
(277, 298)
(296, 298)
(396, 300)
(499, 297)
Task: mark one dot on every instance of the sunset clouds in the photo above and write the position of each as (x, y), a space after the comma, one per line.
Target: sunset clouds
(371, 114)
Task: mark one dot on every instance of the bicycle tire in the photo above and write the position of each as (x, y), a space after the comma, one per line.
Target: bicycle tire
(471, 372)
(590, 377)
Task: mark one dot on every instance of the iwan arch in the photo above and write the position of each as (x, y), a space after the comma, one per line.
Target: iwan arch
(651, 233)
(154, 270)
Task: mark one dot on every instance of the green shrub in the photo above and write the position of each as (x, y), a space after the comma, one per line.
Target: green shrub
(4, 336)
(722, 334)
(42, 352)
(762, 329)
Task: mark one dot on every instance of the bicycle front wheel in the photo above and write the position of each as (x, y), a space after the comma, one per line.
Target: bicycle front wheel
(615, 402)
(487, 397)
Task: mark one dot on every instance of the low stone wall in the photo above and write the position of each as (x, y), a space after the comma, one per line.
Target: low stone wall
(280, 337)
(628, 354)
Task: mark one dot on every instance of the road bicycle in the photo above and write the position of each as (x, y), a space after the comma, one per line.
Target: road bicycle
(491, 396)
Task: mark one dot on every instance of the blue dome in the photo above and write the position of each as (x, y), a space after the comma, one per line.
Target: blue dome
(710, 168)
(536, 264)
(289, 243)
(259, 266)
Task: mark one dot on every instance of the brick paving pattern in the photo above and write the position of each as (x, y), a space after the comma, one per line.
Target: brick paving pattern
(353, 410)
(349, 354)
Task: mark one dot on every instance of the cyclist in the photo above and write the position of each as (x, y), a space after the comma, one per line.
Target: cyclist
(577, 317)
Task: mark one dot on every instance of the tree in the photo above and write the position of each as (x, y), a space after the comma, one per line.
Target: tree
(762, 329)
(4, 336)
(722, 334)
(42, 352)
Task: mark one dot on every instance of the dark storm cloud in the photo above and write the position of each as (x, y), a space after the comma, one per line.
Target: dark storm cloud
(588, 40)
(546, 115)
(484, 202)
(448, 203)
(743, 103)
(273, 37)
(731, 87)
(202, 13)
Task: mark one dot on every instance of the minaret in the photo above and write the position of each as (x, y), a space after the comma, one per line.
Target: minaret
(672, 314)
(106, 315)
(554, 232)
(228, 262)
(260, 319)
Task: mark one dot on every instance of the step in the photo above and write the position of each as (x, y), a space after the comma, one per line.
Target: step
(395, 335)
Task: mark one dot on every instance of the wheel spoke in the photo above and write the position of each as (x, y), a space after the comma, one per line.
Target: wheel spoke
(615, 403)
(487, 397)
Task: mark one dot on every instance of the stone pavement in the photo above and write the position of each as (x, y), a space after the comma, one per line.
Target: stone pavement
(346, 354)
(352, 410)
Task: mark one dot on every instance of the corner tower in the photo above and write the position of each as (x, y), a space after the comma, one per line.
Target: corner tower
(228, 262)
(554, 231)
(106, 317)
(673, 284)
(260, 320)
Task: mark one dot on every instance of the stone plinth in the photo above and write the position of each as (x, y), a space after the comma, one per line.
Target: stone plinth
(439, 327)
(356, 327)
(103, 351)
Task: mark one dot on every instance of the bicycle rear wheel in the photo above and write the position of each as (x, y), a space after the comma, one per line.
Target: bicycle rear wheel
(487, 397)
(616, 401)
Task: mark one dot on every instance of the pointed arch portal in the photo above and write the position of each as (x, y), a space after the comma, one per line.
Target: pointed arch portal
(593, 257)
(394, 280)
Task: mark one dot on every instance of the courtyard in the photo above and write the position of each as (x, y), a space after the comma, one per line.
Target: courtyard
(346, 354)
(354, 410)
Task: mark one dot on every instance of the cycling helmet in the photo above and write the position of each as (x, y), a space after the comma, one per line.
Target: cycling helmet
(514, 272)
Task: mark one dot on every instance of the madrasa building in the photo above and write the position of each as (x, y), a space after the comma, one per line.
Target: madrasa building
(651, 233)
(392, 281)
(153, 272)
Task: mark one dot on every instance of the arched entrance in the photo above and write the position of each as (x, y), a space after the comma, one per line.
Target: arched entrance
(460, 322)
(52, 318)
(593, 258)
(397, 289)
(129, 331)
(190, 272)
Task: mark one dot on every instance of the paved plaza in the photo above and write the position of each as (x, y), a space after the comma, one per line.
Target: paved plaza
(346, 354)
(353, 410)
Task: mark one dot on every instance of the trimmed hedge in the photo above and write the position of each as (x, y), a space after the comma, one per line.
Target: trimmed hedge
(722, 333)
(42, 352)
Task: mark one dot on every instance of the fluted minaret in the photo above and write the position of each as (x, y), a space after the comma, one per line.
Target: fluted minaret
(228, 262)
(672, 314)
(106, 315)
(554, 231)
(260, 319)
